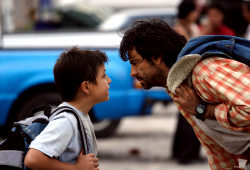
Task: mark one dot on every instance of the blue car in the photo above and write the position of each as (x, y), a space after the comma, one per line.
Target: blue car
(26, 81)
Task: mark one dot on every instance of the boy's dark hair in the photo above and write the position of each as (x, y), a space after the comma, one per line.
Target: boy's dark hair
(152, 38)
(185, 8)
(75, 66)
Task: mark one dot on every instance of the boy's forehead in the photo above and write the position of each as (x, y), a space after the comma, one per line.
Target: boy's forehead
(102, 67)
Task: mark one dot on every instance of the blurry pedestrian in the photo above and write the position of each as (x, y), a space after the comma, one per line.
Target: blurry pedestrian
(246, 15)
(187, 16)
(81, 80)
(213, 22)
(186, 146)
(211, 91)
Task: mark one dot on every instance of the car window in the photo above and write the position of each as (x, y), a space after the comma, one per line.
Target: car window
(170, 19)
(37, 17)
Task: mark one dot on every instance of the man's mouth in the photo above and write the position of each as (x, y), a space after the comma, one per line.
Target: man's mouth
(139, 78)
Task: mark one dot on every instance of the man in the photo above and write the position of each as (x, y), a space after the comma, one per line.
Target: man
(211, 90)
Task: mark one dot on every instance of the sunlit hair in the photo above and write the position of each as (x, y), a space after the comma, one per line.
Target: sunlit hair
(152, 38)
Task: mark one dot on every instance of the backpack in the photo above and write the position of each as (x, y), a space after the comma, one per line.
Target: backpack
(14, 148)
(218, 45)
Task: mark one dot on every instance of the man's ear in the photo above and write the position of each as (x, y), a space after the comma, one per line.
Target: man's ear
(157, 61)
(85, 87)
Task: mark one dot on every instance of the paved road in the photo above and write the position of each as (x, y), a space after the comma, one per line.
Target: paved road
(144, 143)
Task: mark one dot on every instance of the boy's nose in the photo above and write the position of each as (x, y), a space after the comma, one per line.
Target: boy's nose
(109, 80)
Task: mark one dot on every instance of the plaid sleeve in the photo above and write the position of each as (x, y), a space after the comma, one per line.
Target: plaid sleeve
(218, 158)
(227, 82)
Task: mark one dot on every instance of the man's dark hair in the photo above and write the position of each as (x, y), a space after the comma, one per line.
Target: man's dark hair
(75, 66)
(152, 38)
(185, 8)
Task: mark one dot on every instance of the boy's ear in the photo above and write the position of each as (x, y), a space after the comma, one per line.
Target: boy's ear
(157, 61)
(85, 87)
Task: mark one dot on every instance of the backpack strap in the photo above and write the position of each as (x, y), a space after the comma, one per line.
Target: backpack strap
(80, 125)
(11, 158)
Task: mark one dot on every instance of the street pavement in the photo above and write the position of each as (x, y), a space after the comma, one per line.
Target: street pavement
(145, 143)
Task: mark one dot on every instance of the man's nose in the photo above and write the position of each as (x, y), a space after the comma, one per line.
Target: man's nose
(133, 72)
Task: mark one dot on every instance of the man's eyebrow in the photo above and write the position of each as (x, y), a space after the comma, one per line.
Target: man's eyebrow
(130, 57)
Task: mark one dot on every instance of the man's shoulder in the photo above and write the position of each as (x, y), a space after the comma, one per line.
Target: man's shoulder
(209, 61)
(207, 65)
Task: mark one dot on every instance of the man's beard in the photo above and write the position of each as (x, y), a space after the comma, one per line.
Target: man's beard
(157, 79)
(146, 84)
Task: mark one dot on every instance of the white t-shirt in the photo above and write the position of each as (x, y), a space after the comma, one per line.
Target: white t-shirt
(61, 138)
(235, 142)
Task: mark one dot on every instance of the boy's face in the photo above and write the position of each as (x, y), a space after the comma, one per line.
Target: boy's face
(100, 91)
(147, 73)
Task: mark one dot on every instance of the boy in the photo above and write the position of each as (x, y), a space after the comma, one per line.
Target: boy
(81, 80)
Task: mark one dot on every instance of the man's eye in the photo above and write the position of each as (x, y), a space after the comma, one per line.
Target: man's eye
(133, 63)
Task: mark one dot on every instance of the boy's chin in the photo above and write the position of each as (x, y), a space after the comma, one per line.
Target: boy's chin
(105, 99)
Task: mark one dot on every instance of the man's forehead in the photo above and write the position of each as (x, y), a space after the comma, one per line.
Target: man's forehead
(132, 54)
(129, 54)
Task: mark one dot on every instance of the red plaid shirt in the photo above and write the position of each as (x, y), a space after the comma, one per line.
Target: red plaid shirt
(224, 81)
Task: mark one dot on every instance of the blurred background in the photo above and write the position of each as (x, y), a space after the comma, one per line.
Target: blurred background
(34, 15)
(136, 129)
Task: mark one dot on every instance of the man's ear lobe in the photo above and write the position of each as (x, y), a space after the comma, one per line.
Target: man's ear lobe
(157, 61)
(85, 87)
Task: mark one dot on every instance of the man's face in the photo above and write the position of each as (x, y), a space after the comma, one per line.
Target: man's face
(146, 72)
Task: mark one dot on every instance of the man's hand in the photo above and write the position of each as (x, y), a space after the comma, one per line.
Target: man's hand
(87, 162)
(187, 98)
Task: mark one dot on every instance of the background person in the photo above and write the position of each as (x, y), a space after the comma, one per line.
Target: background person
(213, 22)
(246, 15)
(187, 16)
(186, 146)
